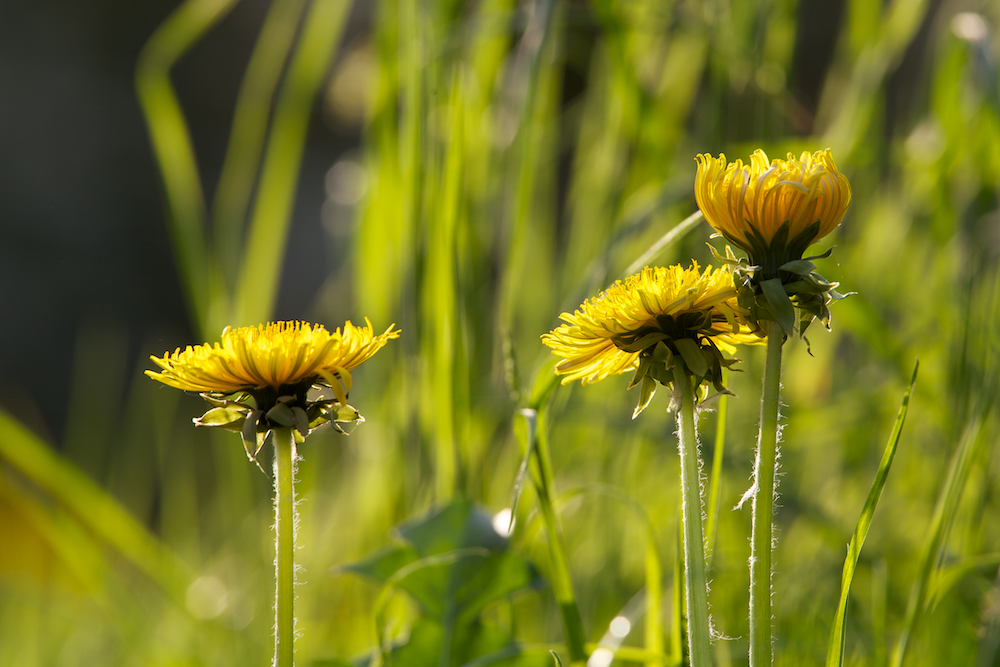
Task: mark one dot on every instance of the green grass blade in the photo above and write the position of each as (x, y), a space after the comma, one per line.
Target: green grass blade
(174, 150)
(534, 438)
(715, 477)
(92, 507)
(664, 242)
(835, 649)
(272, 213)
(439, 309)
(249, 130)
(944, 513)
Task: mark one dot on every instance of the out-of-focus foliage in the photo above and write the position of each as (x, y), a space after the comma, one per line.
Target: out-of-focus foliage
(517, 157)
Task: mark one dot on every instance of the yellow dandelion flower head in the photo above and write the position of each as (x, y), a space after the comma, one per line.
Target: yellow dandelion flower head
(274, 355)
(751, 204)
(608, 334)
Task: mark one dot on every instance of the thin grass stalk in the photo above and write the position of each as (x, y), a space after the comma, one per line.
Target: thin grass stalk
(762, 504)
(284, 546)
(715, 477)
(174, 149)
(695, 579)
(562, 582)
(265, 251)
(677, 601)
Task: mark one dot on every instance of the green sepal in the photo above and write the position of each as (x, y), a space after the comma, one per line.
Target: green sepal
(823, 255)
(642, 343)
(693, 358)
(640, 371)
(645, 396)
(730, 257)
(253, 437)
(779, 304)
(345, 414)
(281, 414)
(661, 363)
(229, 415)
(301, 420)
(802, 267)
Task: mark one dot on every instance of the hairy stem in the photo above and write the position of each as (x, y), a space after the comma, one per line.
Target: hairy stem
(762, 504)
(284, 544)
(695, 580)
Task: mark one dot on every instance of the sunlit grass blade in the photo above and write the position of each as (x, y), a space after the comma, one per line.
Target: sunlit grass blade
(715, 476)
(92, 507)
(664, 242)
(857, 101)
(174, 150)
(249, 130)
(440, 316)
(652, 598)
(944, 514)
(272, 211)
(947, 579)
(677, 601)
(529, 116)
(835, 649)
(562, 582)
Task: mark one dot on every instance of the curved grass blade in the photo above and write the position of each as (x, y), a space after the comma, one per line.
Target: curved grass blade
(668, 239)
(835, 650)
(92, 507)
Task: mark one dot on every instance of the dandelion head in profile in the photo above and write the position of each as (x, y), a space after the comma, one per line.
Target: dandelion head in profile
(658, 322)
(258, 378)
(772, 209)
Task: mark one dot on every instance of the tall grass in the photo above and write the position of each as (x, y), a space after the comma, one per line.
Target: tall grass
(518, 157)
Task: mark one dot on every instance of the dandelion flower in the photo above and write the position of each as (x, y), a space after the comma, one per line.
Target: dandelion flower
(275, 355)
(649, 321)
(773, 210)
(276, 365)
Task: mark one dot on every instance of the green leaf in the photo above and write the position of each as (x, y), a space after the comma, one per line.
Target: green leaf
(779, 304)
(452, 562)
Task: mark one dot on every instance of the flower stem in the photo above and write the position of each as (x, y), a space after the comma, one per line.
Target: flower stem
(762, 504)
(284, 544)
(695, 580)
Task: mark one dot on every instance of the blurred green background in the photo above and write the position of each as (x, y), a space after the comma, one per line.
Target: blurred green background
(469, 170)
